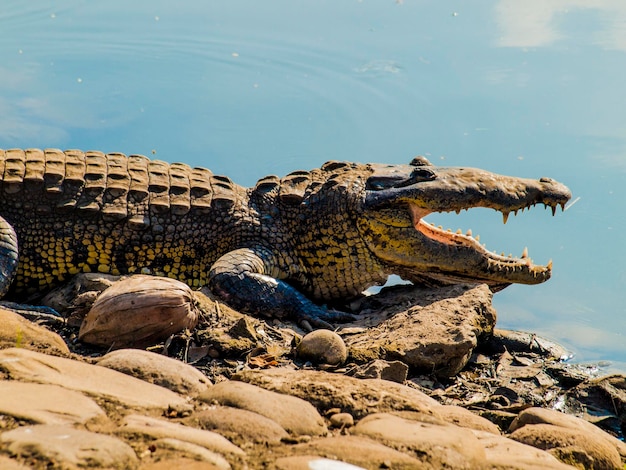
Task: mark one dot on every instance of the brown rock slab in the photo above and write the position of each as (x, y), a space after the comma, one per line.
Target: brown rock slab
(308, 462)
(572, 446)
(358, 450)
(193, 450)
(66, 447)
(160, 429)
(438, 446)
(157, 369)
(93, 380)
(503, 453)
(606, 396)
(396, 371)
(436, 334)
(341, 420)
(466, 419)
(180, 462)
(237, 424)
(7, 463)
(46, 404)
(523, 341)
(546, 416)
(327, 391)
(16, 331)
(295, 415)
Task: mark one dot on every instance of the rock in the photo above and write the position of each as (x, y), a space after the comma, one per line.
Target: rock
(193, 450)
(93, 380)
(606, 396)
(395, 371)
(157, 369)
(506, 454)
(161, 429)
(354, 396)
(436, 334)
(308, 462)
(17, 332)
(46, 404)
(341, 420)
(139, 311)
(533, 416)
(437, 446)
(572, 446)
(237, 424)
(356, 450)
(295, 415)
(9, 464)
(521, 341)
(181, 462)
(66, 447)
(74, 298)
(466, 419)
(322, 347)
(245, 327)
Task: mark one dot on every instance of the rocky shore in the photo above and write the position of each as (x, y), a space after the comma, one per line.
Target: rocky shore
(421, 380)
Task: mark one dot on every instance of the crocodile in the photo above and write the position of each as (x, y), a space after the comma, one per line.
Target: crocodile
(285, 248)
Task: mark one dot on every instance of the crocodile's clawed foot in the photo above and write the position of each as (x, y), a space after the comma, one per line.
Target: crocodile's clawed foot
(310, 322)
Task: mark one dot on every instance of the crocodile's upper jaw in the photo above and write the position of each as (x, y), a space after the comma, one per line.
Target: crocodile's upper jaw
(398, 198)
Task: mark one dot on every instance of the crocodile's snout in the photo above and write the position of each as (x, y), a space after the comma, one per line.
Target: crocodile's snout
(428, 251)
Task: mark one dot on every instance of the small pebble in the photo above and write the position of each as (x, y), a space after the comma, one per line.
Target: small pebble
(322, 347)
(342, 420)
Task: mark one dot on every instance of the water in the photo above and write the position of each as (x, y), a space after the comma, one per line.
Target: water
(531, 88)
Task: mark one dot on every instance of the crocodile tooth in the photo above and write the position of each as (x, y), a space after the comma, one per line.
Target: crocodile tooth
(459, 231)
(477, 238)
(469, 232)
(549, 265)
(525, 253)
(553, 210)
(563, 206)
(505, 216)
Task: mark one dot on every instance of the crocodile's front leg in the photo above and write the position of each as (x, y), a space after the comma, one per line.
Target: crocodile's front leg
(8, 256)
(239, 278)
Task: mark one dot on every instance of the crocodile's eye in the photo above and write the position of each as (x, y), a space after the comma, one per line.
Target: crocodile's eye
(422, 174)
(418, 175)
(378, 183)
(388, 181)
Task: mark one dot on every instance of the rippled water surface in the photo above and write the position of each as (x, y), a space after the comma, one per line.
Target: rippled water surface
(247, 88)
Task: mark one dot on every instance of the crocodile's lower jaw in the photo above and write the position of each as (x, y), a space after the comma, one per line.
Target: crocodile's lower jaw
(457, 239)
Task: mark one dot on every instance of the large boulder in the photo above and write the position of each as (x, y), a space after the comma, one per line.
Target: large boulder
(432, 330)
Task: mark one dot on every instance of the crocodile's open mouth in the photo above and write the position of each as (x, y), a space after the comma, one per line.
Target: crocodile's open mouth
(467, 240)
(398, 198)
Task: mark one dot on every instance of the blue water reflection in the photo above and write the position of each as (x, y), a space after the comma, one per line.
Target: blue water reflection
(529, 88)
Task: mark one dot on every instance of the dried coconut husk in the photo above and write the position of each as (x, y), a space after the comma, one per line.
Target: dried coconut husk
(139, 311)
